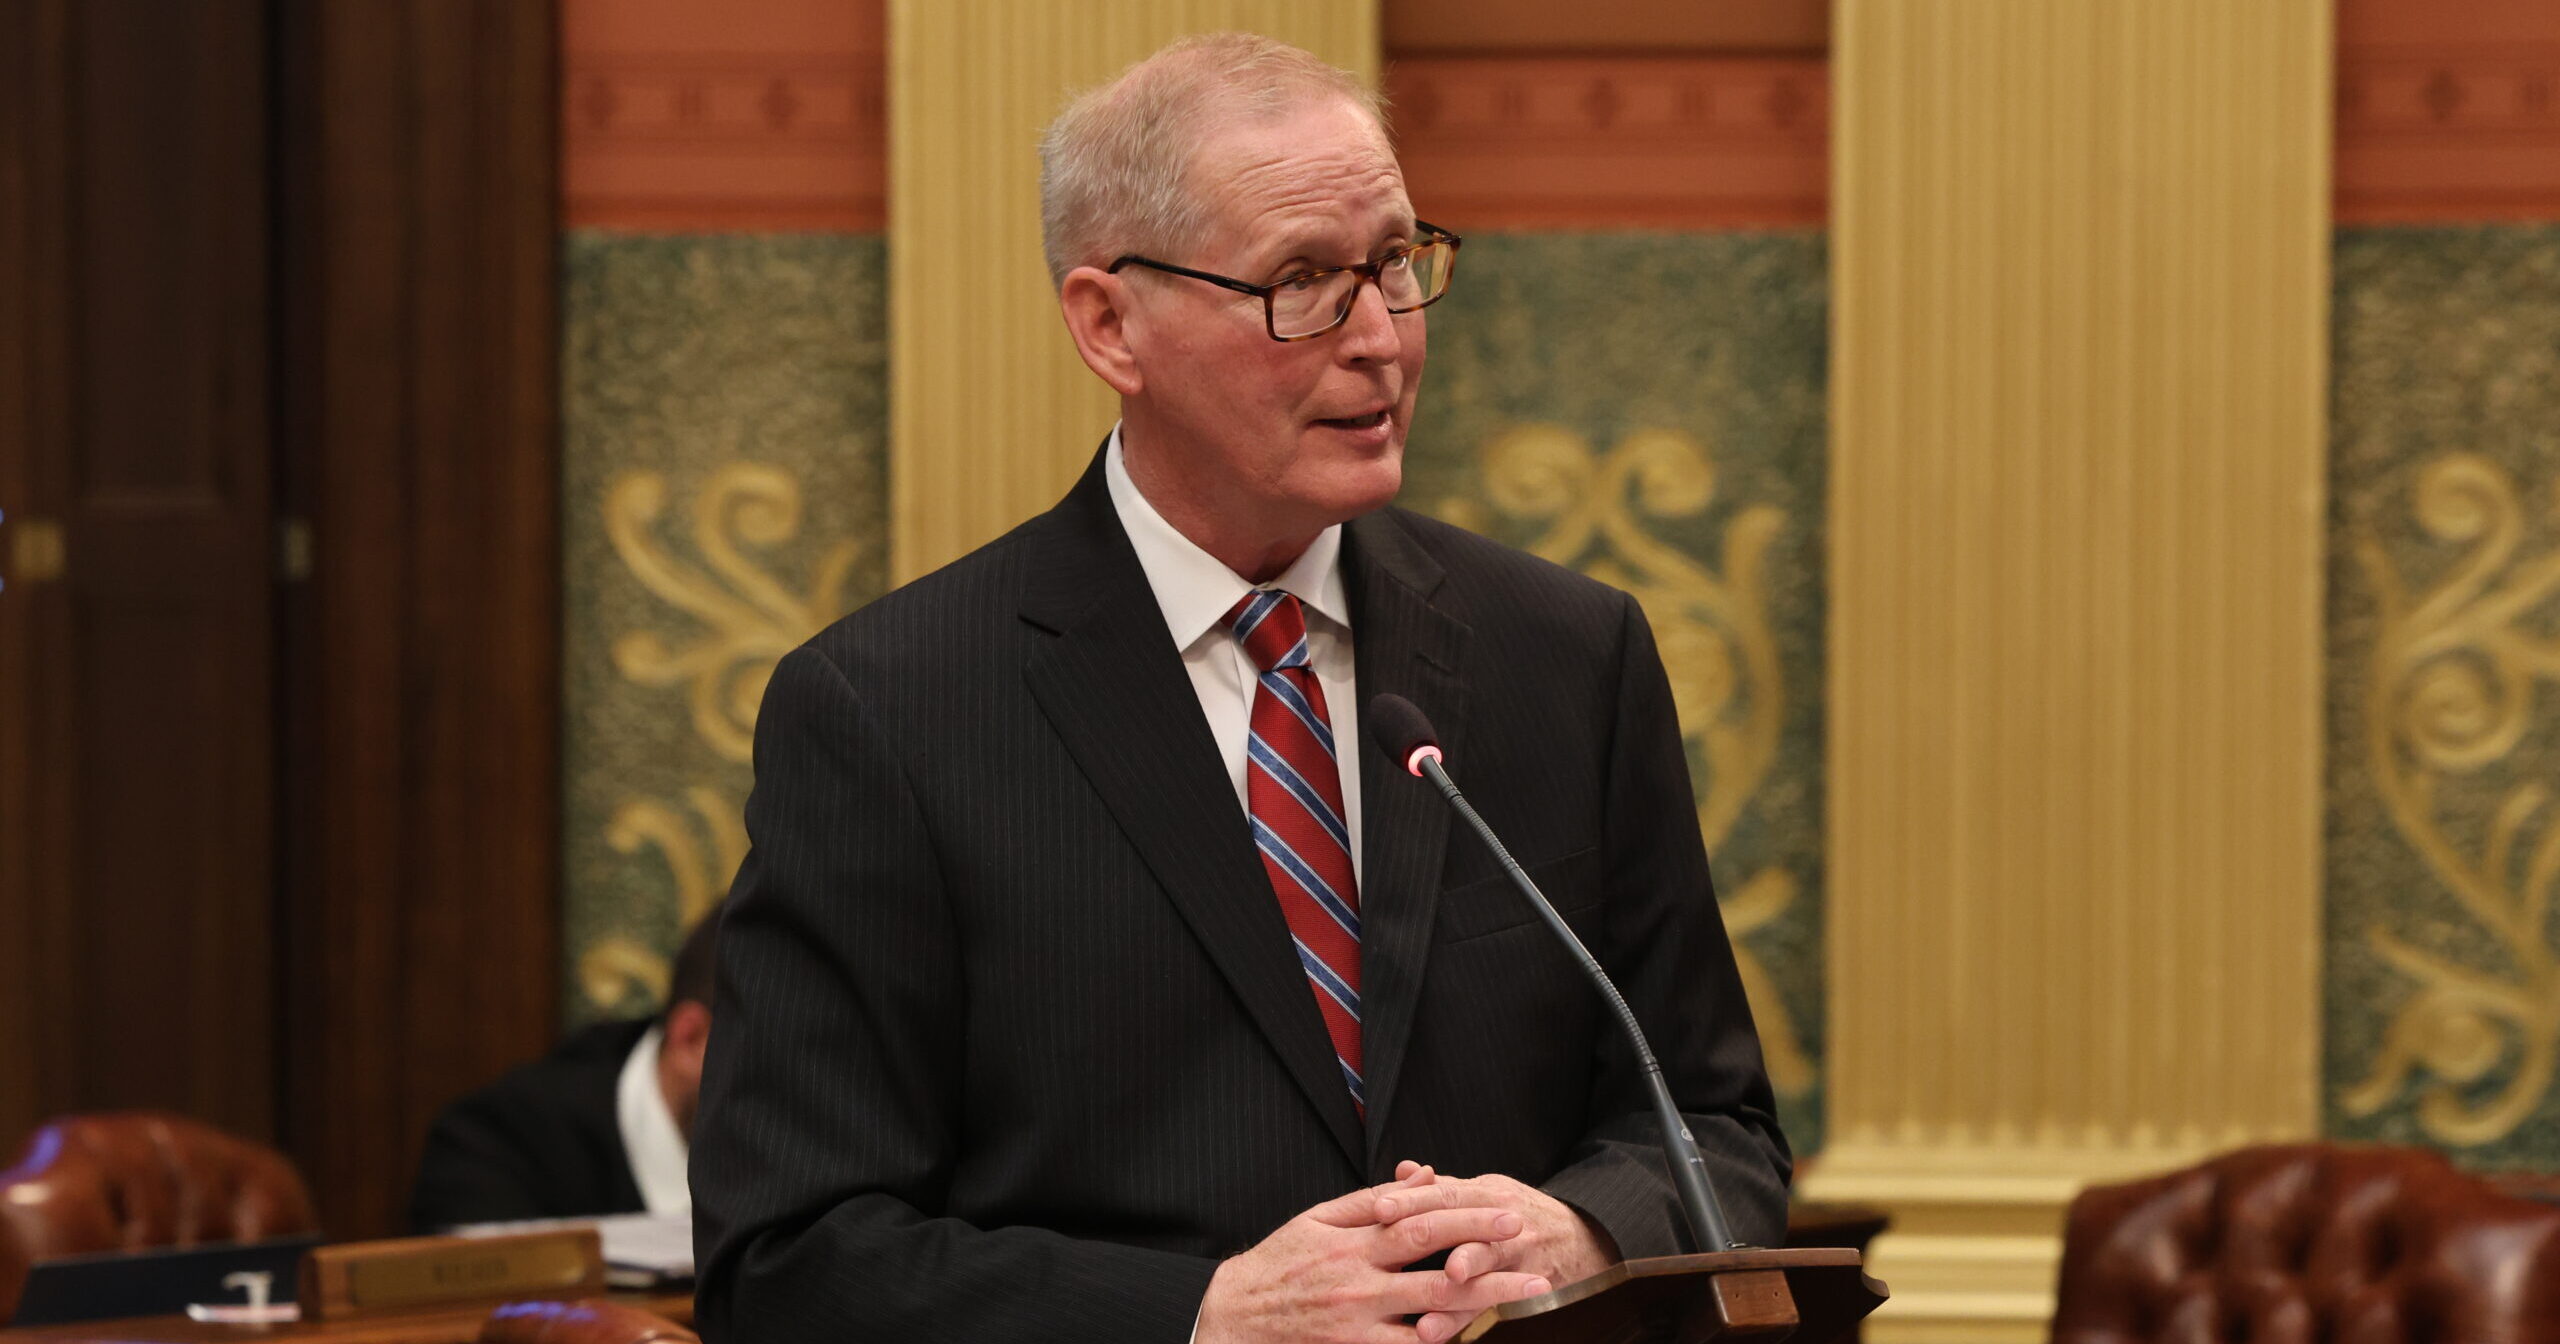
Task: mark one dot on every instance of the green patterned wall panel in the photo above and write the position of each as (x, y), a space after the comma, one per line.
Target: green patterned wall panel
(725, 484)
(1648, 408)
(2443, 989)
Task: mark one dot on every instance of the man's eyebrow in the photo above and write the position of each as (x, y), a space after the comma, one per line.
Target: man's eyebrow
(1301, 248)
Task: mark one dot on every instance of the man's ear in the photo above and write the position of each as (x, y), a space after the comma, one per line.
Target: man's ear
(688, 1029)
(1095, 304)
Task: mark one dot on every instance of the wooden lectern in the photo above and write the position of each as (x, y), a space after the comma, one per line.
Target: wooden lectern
(1811, 1295)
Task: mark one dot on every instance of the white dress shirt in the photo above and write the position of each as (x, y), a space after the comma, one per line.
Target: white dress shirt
(651, 1142)
(1196, 590)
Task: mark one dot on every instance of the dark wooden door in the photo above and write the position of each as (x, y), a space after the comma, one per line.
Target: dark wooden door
(422, 656)
(278, 519)
(137, 829)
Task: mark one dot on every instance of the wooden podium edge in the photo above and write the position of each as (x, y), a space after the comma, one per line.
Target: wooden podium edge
(1826, 1323)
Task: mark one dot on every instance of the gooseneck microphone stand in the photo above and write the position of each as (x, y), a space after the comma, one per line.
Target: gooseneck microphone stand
(1728, 1290)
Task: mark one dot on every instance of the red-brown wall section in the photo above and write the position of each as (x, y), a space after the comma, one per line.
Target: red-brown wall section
(2448, 112)
(750, 116)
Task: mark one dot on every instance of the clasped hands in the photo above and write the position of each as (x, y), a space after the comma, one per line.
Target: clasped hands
(1336, 1273)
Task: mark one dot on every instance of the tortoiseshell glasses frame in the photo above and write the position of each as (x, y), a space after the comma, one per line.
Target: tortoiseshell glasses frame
(1409, 278)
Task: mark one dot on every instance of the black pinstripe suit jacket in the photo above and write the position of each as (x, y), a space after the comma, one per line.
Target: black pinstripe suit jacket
(1010, 1041)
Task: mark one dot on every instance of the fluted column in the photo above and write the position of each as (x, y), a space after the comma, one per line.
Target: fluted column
(2079, 261)
(990, 413)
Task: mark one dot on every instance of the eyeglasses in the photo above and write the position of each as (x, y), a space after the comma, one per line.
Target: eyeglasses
(1310, 303)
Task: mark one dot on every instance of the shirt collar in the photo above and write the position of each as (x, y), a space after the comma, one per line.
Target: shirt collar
(651, 1142)
(1194, 588)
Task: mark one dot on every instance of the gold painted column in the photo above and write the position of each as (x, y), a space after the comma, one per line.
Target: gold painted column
(2079, 266)
(991, 415)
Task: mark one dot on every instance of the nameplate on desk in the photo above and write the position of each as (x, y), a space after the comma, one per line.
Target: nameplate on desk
(365, 1277)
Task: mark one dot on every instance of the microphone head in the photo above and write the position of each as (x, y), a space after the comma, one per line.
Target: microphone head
(1401, 731)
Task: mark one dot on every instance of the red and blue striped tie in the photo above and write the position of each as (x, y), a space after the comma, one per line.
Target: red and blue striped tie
(1293, 788)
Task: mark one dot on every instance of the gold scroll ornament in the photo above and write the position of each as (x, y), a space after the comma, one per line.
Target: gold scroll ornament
(1713, 628)
(2450, 695)
(617, 966)
(746, 619)
(750, 617)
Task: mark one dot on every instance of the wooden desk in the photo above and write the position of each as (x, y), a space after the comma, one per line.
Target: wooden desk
(441, 1326)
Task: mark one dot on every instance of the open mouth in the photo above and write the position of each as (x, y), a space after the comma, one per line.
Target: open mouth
(1370, 421)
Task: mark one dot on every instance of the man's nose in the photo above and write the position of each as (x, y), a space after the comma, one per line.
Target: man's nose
(1370, 331)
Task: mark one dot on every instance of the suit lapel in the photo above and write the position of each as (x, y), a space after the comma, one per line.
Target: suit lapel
(1404, 645)
(1113, 686)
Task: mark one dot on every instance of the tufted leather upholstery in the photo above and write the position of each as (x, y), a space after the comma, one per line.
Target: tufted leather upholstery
(133, 1180)
(579, 1323)
(2310, 1242)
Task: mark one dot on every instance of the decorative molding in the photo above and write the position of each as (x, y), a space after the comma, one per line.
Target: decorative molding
(1621, 26)
(726, 143)
(1545, 142)
(2449, 133)
(763, 118)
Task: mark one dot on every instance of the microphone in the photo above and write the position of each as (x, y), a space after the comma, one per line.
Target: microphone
(1400, 730)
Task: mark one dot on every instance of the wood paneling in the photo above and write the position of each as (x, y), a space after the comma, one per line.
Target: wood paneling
(282, 858)
(768, 116)
(28, 144)
(136, 837)
(422, 832)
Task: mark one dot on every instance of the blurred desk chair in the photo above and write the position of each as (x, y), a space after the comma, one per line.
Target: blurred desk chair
(2309, 1242)
(580, 1323)
(138, 1180)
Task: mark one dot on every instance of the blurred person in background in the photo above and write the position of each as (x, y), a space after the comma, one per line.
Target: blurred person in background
(601, 1125)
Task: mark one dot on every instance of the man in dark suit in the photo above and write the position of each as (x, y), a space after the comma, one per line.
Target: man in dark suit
(1089, 979)
(597, 1126)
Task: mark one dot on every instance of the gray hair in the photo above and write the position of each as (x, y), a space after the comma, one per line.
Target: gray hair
(1114, 166)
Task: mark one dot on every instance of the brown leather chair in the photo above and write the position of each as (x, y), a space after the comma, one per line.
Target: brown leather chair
(134, 1180)
(579, 1323)
(2543, 1186)
(2309, 1242)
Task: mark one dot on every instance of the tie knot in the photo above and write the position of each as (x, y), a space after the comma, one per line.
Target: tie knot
(1272, 627)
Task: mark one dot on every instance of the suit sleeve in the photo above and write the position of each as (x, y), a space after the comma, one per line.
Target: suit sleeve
(477, 1168)
(1664, 942)
(831, 1111)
